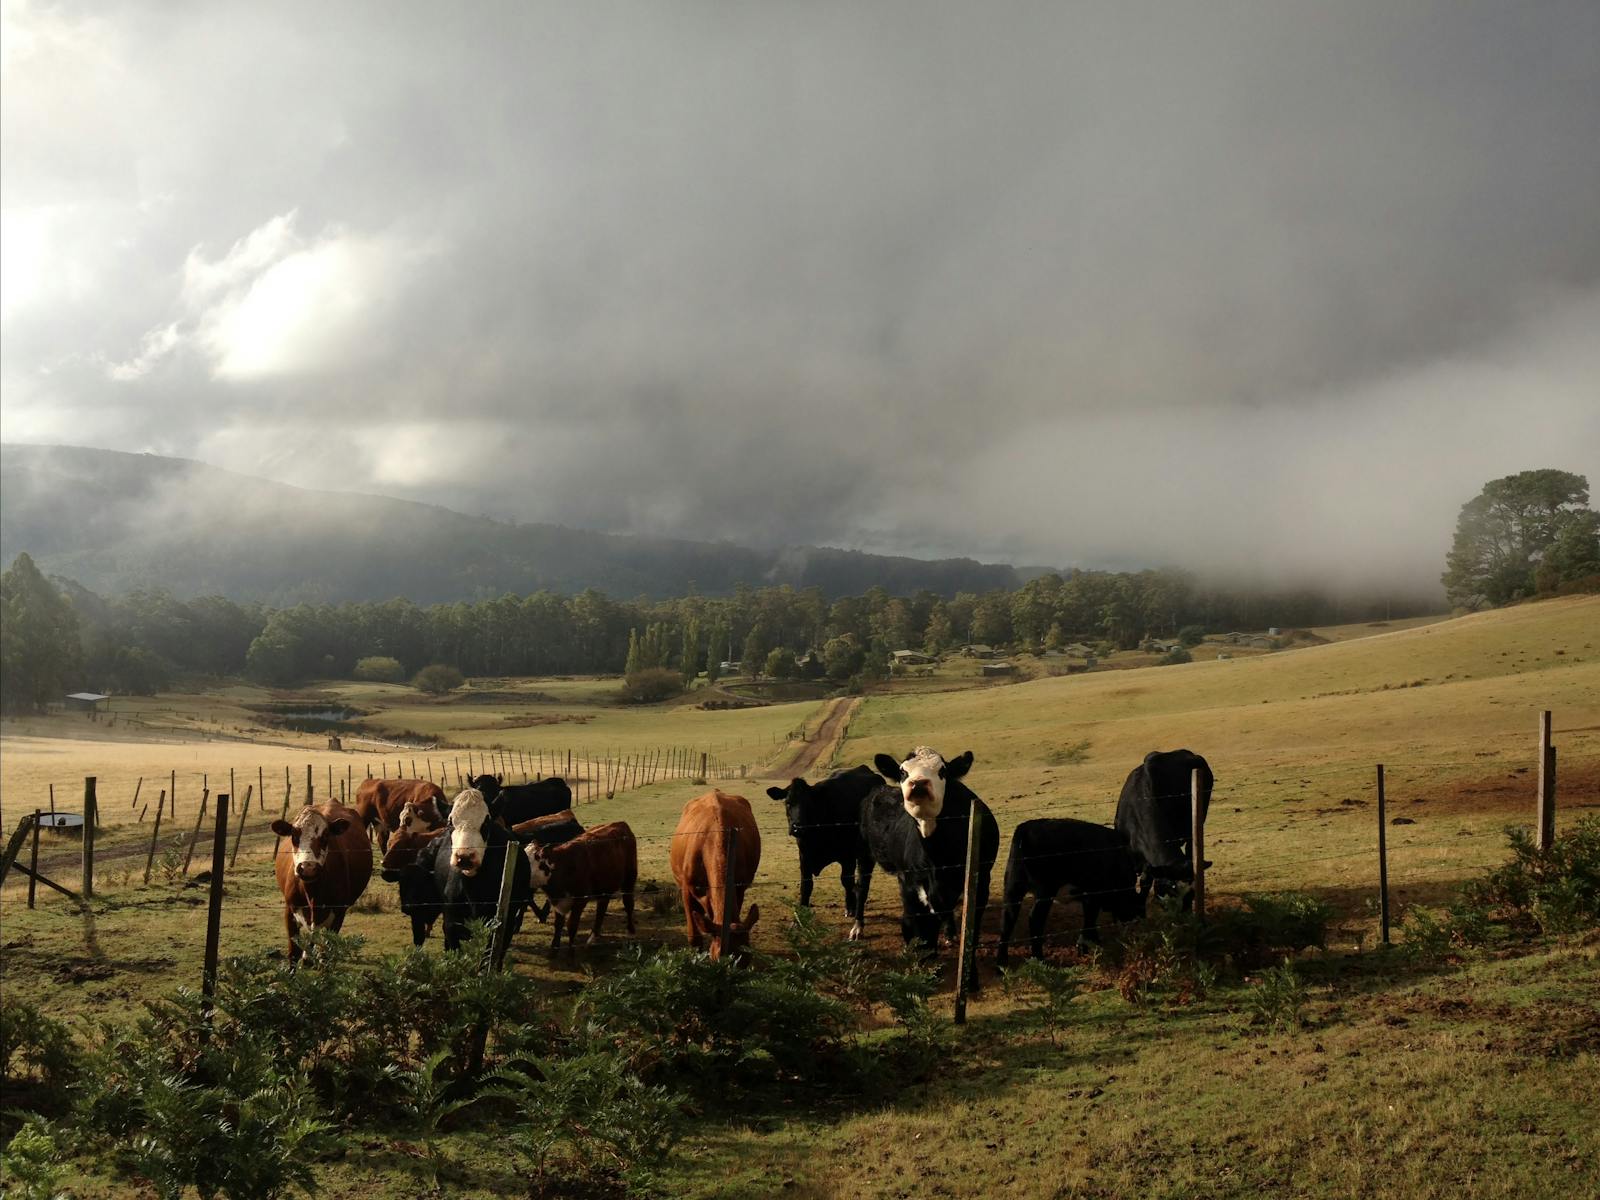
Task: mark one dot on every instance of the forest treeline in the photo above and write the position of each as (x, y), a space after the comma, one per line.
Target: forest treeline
(61, 636)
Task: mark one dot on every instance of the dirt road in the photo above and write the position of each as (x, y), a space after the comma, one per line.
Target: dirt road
(814, 755)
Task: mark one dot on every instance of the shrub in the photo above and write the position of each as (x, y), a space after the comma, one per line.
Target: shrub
(380, 669)
(1053, 988)
(651, 685)
(37, 1051)
(1276, 998)
(1271, 925)
(437, 679)
(611, 1126)
(31, 1162)
(1176, 655)
(1557, 892)
(1068, 755)
(1192, 635)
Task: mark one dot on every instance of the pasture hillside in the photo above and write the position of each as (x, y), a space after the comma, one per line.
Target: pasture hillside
(1411, 1078)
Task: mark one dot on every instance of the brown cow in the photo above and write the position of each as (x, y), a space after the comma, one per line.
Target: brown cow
(597, 864)
(380, 802)
(700, 865)
(322, 869)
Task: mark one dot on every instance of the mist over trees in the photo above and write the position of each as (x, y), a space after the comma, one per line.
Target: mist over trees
(65, 636)
(1522, 535)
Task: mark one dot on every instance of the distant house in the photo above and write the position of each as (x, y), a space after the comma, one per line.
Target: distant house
(731, 667)
(912, 658)
(993, 669)
(85, 701)
(977, 650)
(1079, 650)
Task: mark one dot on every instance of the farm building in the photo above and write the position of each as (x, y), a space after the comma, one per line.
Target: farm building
(994, 669)
(912, 658)
(978, 651)
(88, 702)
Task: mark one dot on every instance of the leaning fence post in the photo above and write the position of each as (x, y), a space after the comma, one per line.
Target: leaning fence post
(33, 860)
(966, 959)
(155, 832)
(1197, 843)
(91, 816)
(136, 788)
(502, 908)
(1545, 809)
(1383, 863)
(244, 811)
(199, 819)
(208, 981)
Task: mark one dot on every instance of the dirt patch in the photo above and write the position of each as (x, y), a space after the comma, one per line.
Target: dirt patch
(1511, 792)
(820, 748)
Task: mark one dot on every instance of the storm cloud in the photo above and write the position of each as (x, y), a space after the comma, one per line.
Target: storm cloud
(1270, 287)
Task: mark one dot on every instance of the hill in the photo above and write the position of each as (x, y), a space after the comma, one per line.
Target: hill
(115, 522)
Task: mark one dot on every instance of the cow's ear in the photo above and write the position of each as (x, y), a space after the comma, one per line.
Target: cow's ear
(338, 827)
(282, 828)
(957, 767)
(752, 917)
(888, 768)
(702, 926)
(500, 779)
(777, 793)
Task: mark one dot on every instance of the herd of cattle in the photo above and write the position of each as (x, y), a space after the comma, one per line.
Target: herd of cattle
(909, 817)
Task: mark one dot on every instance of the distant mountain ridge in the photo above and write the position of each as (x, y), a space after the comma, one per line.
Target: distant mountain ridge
(116, 522)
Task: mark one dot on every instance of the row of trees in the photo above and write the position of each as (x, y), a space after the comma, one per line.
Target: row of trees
(1524, 534)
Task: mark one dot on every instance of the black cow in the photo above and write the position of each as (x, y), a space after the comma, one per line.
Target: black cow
(420, 898)
(825, 822)
(1154, 814)
(916, 827)
(521, 802)
(467, 872)
(1092, 862)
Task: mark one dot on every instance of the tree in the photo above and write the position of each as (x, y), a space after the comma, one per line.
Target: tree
(1515, 526)
(842, 656)
(437, 679)
(781, 664)
(379, 668)
(39, 647)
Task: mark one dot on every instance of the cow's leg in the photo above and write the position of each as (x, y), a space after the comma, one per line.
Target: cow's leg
(291, 922)
(574, 915)
(383, 837)
(419, 930)
(1091, 921)
(1038, 919)
(806, 880)
(1010, 910)
(847, 877)
(336, 921)
(599, 918)
(627, 907)
(558, 916)
(863, 886)
(540, 911)
(688, 916)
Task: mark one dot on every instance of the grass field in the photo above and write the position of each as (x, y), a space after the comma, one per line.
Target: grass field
(1479, 1080)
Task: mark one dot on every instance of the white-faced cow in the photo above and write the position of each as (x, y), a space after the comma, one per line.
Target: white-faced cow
(597, 864)
(381, 803)
(518, 802)
(700, 863)
(1154, 814)
(322, 868)
(916, 827)
(468, 875)
(1090, 861)
(825, 822)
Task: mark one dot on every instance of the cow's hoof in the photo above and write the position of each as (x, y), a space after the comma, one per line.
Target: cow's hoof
(855, 933)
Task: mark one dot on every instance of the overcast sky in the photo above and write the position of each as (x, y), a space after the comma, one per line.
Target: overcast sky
(1273, 286)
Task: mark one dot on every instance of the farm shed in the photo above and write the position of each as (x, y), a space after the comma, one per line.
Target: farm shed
(912, 658)
(85, 701)
(998, 668)
(978, 651)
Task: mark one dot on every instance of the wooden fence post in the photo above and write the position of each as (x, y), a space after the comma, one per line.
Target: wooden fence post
(1197, 843)
(208, 981)
(244, 811)
(194, 837)
(1545, 809)
(1383, 862)
(33, 860)
(702, 776)
(311, 789)
(155, 832)
(729, 909)
(136, 788)
(91, 817)
(502, 908)
(172, 794)
(966, 958)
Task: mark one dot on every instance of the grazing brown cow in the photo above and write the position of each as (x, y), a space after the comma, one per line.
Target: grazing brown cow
(700, 865)
(597, 864)
(322, 869)
(380, 803)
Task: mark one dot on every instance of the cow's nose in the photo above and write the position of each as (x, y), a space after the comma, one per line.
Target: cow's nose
(305, 870)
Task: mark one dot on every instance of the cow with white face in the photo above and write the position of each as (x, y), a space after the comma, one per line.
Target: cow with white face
(469, 831)
(322, 868)
(467, 878)
(922, 776)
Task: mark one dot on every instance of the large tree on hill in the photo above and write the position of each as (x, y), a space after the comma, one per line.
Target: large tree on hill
(1531, 524)
(40, 650)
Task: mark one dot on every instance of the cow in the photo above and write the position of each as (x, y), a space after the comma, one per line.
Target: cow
(322, 868)
(1091, 861)
(411, 862)
(467, 871)
(1154, 814)
(597, 864)
(825, 822)
(519, 802)
(915, 825)
(380, 802)
(546, 831)
(700, 849)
